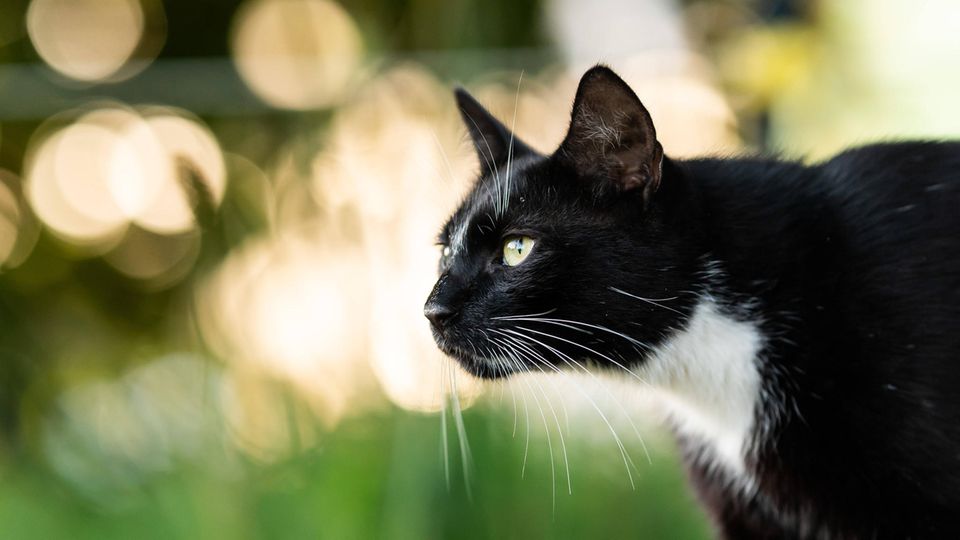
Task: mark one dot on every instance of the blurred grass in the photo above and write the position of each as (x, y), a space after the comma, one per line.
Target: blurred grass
(378, 476)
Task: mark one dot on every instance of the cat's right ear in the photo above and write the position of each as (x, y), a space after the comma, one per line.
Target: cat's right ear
(611, 137)
(494, 142)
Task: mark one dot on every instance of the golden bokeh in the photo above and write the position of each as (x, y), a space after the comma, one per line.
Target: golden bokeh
(111, 168)
(77, 154)
(296, 54)
(386, 162)
(160, 260)
(19, 230)
(260, 419)
(9, 220)
(192, 145)
(87, 40)
(289, 308)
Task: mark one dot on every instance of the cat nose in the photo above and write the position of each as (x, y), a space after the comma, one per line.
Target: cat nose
(438, 313)
(445, 301)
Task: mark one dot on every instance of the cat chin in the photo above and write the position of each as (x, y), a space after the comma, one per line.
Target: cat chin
(483, 368)
(478, 366)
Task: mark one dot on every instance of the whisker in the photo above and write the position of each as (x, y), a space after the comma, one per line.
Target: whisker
(566, 322)
(546, 429)
(514, 396)
(651, 301)
(627, 461)
(526, 444)
(461, 435)
(553, 412)
(443, 155)
(526, 412)
(491, 164)
(444, 367)
(513, 124)
(609, 394)
(508, 317)
(601, 355)
(551, 321)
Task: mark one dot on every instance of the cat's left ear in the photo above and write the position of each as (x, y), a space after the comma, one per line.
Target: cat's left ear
(494, 142)
(611, 136)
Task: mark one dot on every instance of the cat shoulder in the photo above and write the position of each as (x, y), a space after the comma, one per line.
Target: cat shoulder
(897, 168)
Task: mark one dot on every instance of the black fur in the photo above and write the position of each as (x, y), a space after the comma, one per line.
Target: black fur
(852, 267)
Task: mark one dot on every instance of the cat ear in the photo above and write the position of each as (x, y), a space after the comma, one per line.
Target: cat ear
(611, 135)
(495, 144)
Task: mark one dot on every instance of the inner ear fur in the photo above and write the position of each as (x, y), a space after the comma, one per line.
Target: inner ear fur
(611, 136)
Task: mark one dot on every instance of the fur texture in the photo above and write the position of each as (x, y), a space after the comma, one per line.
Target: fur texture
(803, 322)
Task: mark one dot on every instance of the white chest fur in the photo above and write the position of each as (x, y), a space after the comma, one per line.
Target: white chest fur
(707, 376)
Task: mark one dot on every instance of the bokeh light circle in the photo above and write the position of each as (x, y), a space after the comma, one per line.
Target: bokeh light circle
(86, 40)
(9, 221)
(78, 151)
(296, 54)
(92, 174)
(158, 260)
(288, 307)
(385, 161)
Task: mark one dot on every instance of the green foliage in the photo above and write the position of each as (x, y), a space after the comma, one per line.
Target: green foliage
(378, 476)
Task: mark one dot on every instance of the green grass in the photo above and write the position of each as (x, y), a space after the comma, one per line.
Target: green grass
(376, 476)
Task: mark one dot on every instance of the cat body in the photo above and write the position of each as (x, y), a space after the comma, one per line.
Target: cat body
(849, 275)
(801, 323)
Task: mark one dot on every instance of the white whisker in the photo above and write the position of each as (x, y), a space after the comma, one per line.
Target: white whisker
(546, 429)
(444, 367)
(651, 301)
(627, 461)
(508, 317)
(443, 156)
(556, 419)
(491, 164)
(609, 394)
(588, 349)
(465, 456)
(514, 396)
(513, 124)
(566, 322)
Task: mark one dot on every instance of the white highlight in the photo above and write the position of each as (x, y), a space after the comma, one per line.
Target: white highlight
(459, 237)
(707, 377)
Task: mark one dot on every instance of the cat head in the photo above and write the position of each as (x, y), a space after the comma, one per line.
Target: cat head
(579, 257)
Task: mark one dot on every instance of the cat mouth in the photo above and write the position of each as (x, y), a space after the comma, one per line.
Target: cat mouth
(475, 363)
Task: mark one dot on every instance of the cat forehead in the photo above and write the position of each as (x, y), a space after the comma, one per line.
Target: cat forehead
(498, 191)
(492, 198)
(480, 212)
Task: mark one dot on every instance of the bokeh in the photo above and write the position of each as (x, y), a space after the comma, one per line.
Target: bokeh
(216, 237)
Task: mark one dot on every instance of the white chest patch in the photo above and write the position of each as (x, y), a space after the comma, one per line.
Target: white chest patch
(708, 378)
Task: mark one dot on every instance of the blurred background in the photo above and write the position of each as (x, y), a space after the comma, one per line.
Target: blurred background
(216, 237)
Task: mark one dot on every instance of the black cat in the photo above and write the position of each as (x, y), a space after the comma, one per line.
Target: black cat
(802, 322)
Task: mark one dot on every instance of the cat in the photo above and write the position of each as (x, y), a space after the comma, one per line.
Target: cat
(801, 322)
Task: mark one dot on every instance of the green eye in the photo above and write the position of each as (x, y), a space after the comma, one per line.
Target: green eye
(516, 249)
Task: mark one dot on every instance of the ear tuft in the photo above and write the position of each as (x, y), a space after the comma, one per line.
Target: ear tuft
(494, 142)
(611, 136)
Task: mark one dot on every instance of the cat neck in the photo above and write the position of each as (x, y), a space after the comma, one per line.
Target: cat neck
(707, 375)
(713, 373)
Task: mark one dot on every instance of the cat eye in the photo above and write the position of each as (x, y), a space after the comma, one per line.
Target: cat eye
(516, 249)
(445, 256)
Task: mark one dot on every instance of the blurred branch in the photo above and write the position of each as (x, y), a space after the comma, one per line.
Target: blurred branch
(212, 86)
